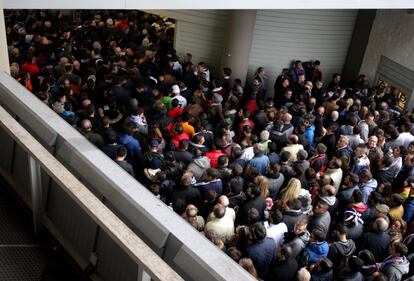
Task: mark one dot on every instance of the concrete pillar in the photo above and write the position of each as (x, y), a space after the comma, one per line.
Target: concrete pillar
(239, 42)
(358, 44)
(4, 52)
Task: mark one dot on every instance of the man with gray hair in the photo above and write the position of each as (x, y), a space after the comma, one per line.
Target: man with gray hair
(343, 148)
(259, 161)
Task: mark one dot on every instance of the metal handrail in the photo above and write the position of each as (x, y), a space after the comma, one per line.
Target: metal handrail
(123, 236)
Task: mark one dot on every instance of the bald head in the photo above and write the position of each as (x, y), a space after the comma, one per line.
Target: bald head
(334, 115)
(224, 200)
(303, 275)
(86, 125)
(286, 118)
(381, 224)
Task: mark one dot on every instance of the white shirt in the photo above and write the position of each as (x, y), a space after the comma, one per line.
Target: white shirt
(293, 149)
(336, 176)
(276, 232)
(247, 154)
(181, 100)
(405, 139)
(224, 226)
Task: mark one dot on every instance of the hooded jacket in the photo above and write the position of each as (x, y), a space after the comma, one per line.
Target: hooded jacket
(340, 250)
(141, 124)
(359, 207)
(310, 135)
(133, 147)
(330, 200)
(198, 166)
(317, 250)
(396, 268)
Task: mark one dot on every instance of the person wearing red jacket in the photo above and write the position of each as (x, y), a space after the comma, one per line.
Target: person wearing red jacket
(179, 134)
(30, 66)
(214, 155)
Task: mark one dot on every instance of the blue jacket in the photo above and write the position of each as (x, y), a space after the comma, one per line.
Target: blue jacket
(262, 254)
(345, 151)
(133, 146)
(260, 163)
(310, 134)
(408, 210)
(317, 251)
(204, 187)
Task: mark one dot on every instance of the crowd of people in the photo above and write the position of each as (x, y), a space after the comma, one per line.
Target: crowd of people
(304, 182)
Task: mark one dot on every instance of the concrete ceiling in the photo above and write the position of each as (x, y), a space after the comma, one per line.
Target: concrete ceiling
(211, 4)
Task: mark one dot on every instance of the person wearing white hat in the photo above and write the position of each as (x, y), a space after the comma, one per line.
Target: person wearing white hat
(182, 101)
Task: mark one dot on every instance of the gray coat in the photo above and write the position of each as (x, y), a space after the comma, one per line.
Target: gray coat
(395, 271)
(299, 243)
(320, 222)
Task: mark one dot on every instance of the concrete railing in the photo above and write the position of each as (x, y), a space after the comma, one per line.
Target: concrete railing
(149, 263)
(188, 252)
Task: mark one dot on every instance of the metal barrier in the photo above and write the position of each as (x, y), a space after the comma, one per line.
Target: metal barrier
(190, 254)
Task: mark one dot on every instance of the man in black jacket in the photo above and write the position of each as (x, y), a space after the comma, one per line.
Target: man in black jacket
(121, 154)
(186, 192)
(285, 266)
(254, 201)
(378, 240)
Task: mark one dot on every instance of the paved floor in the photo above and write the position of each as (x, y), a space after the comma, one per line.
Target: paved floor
(23, 256)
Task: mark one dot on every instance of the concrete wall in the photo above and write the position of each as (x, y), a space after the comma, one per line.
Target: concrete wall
(392, 35)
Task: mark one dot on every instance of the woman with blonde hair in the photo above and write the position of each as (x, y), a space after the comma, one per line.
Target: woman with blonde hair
(263, 183)
(397, 230)
(291, 191)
